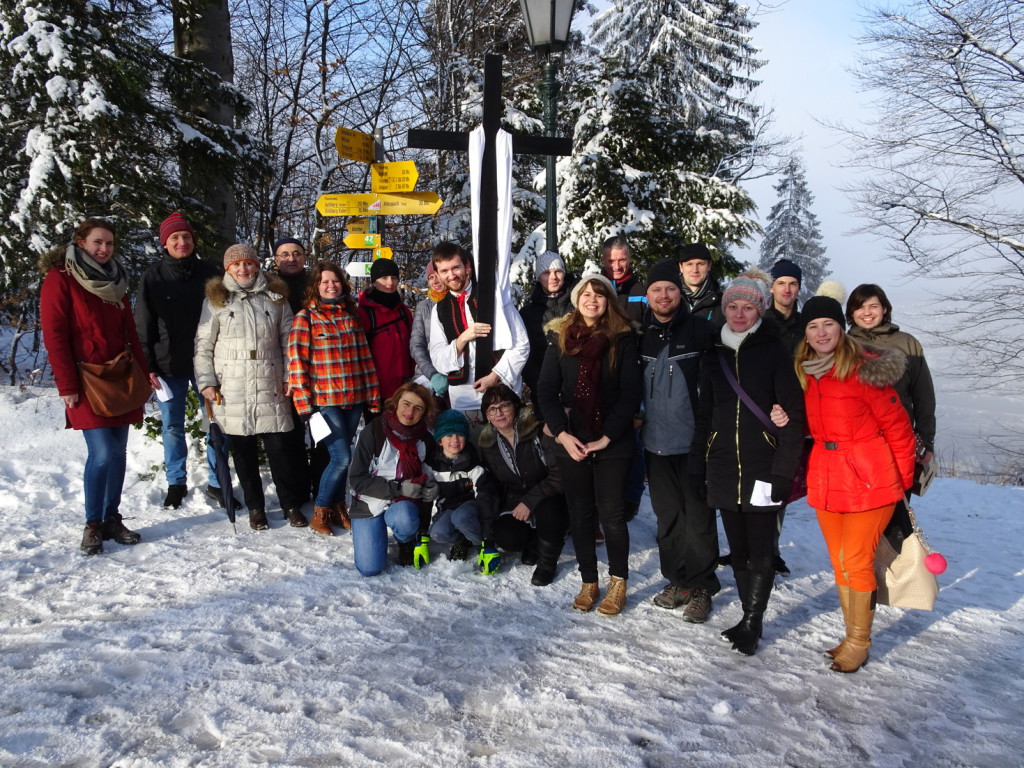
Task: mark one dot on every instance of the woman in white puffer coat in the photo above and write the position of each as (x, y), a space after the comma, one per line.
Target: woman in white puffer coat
(241, 369)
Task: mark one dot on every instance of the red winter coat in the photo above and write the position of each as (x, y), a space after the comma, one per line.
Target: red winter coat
(389, 333)
(80, 326)
(863, 456)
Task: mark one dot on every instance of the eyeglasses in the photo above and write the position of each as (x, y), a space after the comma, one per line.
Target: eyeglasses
(494, 410)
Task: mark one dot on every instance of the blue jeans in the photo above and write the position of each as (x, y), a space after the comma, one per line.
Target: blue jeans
(104, 470)
(448, 524)
(172, 413)
(370, 535)
(343, 423)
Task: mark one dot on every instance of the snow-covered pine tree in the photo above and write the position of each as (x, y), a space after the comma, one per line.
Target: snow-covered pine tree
(792, 232)
(664, 133)
(89, 129)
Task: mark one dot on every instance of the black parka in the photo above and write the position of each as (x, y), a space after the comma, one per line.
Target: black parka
(730, 443)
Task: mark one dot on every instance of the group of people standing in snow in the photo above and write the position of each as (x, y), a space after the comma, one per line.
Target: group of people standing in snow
(599, 382)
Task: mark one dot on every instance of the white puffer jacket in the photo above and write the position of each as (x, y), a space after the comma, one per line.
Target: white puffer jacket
(240, 347)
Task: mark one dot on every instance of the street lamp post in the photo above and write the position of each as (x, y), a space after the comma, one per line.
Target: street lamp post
(547, 25)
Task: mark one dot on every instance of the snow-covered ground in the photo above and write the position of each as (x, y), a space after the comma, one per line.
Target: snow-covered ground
(200, 647)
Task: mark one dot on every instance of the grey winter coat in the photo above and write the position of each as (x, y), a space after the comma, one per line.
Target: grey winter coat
(419, 343)
(240, 348)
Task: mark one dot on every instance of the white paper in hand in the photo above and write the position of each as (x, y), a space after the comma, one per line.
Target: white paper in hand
(164, 393)
(762, 495)
(464, 398)
(318, 427)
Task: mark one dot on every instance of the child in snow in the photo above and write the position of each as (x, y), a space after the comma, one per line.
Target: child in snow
(463, 487)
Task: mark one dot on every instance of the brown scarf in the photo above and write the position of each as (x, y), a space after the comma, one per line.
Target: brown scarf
(819, 366)
(590, 347)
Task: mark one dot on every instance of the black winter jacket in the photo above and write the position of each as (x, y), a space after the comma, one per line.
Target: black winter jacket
(540, 310)
(170, 301)
(790, 329)
(706, 302)
(538, 477)
(621, 392)
(730, 443)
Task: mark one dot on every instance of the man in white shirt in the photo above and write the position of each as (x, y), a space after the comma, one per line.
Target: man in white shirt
(454, 331)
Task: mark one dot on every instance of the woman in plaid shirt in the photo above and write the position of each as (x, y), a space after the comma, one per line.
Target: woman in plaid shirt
(330, 370)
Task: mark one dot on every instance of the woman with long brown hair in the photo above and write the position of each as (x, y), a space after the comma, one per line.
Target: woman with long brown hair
(86, 317)
(330, 370)
(589, 391)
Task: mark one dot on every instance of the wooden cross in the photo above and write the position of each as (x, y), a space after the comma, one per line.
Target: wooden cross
(487, 259)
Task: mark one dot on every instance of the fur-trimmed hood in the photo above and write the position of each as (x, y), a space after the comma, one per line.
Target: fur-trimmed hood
(54, 258)
(526, 422)
(219, 289)
(883, 368)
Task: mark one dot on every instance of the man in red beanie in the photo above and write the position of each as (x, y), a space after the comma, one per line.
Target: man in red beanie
(167, 310)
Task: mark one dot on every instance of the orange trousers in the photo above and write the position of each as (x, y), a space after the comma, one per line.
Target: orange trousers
(851, 538)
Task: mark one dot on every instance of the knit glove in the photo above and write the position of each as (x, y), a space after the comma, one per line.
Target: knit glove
(782, 487)
(430, 491)
(420, 553)
(439, 384)
(489, 559)
(410, 490)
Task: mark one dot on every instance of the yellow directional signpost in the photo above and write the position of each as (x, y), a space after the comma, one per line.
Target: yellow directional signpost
(358, 226)
(382, 253)
(359, 240)
(354, 145)
(370, 204)
(393, 177)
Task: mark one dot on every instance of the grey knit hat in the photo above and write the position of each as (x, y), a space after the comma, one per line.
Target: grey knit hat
(240, 252)
(751, 286)
(548, 260)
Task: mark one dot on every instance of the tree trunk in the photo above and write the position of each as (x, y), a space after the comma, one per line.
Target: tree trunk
(202, 34)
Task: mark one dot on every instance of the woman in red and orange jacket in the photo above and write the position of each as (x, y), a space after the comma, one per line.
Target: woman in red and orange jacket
(862, 462)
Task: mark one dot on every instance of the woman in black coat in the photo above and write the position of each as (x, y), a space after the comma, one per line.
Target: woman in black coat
(589, 390)
(529, 513)
(749, 467)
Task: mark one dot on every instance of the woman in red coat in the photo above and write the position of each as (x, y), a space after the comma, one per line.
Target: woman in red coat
(86, 317)
(862, 461)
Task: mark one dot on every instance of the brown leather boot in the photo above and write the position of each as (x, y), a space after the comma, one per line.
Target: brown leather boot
(614, 597)
(844, 603)
(587, 597)
(861, 615)
(321, 522)
(340, 515)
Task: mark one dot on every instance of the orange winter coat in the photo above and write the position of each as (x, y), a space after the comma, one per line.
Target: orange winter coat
(863, 455)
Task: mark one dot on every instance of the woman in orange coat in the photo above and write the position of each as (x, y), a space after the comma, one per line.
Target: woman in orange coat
(862, 461)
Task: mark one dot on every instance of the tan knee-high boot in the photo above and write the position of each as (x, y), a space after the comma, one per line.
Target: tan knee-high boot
(854, 653)
(844, 603)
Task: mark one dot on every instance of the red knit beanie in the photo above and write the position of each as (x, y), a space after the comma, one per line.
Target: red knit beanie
(176, 222)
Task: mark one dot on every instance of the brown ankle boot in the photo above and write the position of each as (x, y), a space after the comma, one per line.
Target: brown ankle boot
(587, 597)
(614, 597)
(854, 652)
(341, 518)
(321, 522)
(844, 603)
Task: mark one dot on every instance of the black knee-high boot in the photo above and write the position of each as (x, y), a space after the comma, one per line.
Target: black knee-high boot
(748, 631)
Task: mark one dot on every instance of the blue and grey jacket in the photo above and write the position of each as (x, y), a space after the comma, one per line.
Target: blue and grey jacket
(671, 356)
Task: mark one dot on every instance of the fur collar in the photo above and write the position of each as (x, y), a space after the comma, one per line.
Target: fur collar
(274, 287)
(526, 421)
(52, 259)
(883, 368)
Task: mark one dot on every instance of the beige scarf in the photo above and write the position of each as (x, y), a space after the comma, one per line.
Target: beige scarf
(108, 281)
(819, 366)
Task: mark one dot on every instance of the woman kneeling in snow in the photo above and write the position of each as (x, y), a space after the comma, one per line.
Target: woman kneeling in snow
(387, 479)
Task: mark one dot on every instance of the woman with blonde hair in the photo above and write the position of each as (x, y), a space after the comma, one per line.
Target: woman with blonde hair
(589, 390)
(862, 462)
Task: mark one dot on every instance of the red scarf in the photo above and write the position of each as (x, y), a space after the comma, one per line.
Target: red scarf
(590, 347)
(405, 439)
